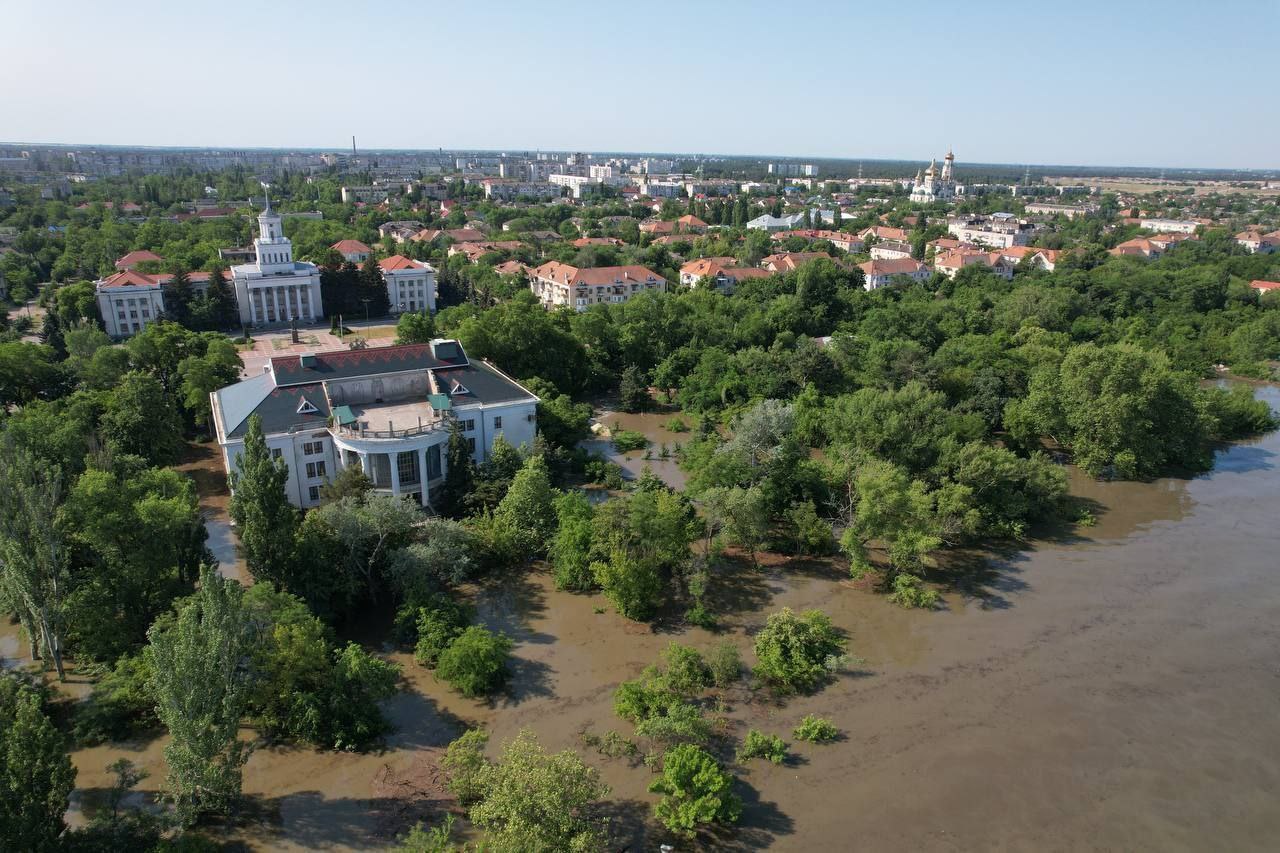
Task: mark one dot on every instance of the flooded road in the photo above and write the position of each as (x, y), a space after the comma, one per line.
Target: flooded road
(1114, 689)
(633, 463)
(203, 463)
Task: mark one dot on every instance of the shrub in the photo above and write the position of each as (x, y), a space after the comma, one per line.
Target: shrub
(809, 533)
(1237, 414)
(439, 624)
(676, 424)
(643, 697)
(633, 585)
(121, 705)
(909, 591)
(476, 662)
(760, 745)
(725, 664)
(815, 730)
(675, 722)
(687, 673)
(627, 440)
(696, 791)
(798, 652)
(464, 764)
(536, 801)
(699, 615)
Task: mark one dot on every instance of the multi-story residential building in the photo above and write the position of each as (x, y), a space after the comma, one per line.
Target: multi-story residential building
(792, 170)
(1045, 259)
(400, 229)
(790, 261)
(276, 289)
(950, 263)
(129, 301)
(842, 240)
(511, 190)
(366, 194)
(576, 183)
(1070, 211)
(601, 173)
(388, 410)
(560, 285)
(1256, 242)
(891, 250)
(722, 273)
(661, 189)
(880, 273)
(1175, 226)
(352, 251)
(997, 231)
(411, 285)
(883, 232)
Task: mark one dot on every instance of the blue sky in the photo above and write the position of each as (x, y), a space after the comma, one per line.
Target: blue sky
(1119, 83)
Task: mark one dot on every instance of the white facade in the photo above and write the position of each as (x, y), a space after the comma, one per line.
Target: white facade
(385, 421)
(1171, 226)
(127, 310)
(931, 186)
(411, 285)
(276, 289)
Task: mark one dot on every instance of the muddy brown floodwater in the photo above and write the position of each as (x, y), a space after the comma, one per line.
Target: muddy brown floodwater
(1115, 689)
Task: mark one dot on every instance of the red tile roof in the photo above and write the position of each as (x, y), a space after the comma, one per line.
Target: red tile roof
(350, 247)
(400, 262)
(566, 274)
(136, 257)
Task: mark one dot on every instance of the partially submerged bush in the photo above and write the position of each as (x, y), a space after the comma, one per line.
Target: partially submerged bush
(757, 744)
(815, 730)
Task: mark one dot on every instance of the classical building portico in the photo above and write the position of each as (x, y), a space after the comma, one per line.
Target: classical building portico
(276, 289)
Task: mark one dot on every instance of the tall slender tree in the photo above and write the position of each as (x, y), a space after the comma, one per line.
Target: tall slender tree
(32, 554)
(199, 665)
(36, 775)
(260, 507)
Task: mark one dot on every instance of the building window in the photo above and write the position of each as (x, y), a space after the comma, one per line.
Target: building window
(276, 453)
(469, 425)
(313, 494)
(407, 468)
(433, 462)
(315, 469)
(471, 445)
(497, 422)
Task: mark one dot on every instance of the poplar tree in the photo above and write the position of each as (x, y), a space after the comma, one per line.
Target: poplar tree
(36, 775)
(260, 507)
(199, 664)
(32, 558)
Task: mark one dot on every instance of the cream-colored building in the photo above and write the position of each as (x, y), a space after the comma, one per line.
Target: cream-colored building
(560, 285)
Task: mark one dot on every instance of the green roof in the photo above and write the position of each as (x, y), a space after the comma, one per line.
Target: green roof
(439, 402)
(344, 415)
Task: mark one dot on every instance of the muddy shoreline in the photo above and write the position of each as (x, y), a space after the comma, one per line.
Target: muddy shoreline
(1115, 689)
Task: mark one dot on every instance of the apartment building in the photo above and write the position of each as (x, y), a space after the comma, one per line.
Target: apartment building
(411, 285)
(560, 285)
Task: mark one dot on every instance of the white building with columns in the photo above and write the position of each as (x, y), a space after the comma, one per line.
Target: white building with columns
(389, 410)
(276, 289)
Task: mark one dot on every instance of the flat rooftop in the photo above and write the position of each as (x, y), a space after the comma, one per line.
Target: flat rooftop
(396, 415)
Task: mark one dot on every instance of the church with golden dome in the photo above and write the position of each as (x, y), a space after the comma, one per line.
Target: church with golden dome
(931, 186)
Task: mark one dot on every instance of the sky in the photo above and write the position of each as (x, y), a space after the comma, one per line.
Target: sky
(1179, 83)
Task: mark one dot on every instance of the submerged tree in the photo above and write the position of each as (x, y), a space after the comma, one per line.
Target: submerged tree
(36, 775)
(260, 507)
(32, 550)
(199, 663)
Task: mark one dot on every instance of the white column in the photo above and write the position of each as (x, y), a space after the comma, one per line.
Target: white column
(394, 458)
(366, 465)
(422, 473)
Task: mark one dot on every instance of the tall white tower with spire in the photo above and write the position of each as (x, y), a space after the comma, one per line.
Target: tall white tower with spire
(276, 289)
(947, 163)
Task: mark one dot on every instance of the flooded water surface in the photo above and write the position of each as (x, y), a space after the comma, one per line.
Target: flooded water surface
(1113, 689)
